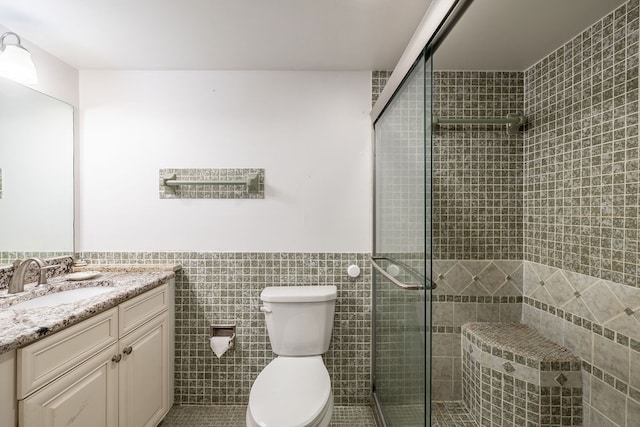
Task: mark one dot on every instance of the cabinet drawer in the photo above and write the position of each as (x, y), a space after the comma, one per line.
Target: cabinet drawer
(138, 310)
(43, 361)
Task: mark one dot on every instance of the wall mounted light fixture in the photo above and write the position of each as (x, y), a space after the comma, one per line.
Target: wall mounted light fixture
(15, 61)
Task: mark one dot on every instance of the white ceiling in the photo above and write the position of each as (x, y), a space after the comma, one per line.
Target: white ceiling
(218, 34)
(291, 34)
(515, 34)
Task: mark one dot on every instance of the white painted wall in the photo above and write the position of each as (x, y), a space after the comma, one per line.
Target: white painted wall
(309, 130)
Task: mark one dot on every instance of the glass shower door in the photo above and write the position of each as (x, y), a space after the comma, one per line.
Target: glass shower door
(402, 254)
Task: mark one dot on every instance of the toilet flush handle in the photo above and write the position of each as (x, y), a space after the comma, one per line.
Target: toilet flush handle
(265, 309)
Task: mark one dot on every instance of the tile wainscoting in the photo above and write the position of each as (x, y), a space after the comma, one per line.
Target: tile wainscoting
(216, 287)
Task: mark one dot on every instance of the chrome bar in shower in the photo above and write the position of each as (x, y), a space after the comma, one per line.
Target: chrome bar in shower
(513, 121)
(409, 270)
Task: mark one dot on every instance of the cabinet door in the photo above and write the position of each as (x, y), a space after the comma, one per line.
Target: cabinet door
(8, 403)
(85, 396)
(144, 394)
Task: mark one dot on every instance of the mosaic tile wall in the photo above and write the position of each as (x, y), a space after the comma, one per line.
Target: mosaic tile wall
(599, 320)
(477, 170)
(581, 153)
(378, 81)
(582, 184)
(225, 287)
(231, 191)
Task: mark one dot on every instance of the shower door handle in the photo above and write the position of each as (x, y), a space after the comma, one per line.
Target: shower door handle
(393, 279)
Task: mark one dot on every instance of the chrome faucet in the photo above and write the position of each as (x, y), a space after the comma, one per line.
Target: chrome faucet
(17, 281)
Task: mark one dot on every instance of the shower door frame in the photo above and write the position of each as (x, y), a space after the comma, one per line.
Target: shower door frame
(424, 58)
(421, 48)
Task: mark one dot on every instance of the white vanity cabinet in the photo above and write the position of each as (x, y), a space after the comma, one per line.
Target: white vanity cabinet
(84, 396)
(8, 402)
(143, 374)
(111, 370)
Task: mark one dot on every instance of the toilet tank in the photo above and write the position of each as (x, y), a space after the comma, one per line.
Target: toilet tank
(299, 318)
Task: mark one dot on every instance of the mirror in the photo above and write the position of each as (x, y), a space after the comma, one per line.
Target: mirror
(36, 173)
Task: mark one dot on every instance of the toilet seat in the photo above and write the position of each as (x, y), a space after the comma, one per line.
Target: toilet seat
(291, 392)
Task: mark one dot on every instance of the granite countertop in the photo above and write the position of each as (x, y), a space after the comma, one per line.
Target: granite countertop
(24, 326)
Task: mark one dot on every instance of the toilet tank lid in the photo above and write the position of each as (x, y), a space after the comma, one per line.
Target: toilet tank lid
(298, 293)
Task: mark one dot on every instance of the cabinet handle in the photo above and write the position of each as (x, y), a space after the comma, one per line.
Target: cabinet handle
(117, 358)
(127, 350)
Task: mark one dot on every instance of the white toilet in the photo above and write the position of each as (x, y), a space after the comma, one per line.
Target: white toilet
(294, 390)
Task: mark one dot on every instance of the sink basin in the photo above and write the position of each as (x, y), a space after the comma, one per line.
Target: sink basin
(64, 297)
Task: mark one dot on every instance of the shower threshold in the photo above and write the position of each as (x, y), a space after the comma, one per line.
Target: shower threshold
(443, 414)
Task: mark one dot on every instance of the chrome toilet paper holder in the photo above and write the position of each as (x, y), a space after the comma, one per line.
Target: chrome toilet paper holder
(224, 331)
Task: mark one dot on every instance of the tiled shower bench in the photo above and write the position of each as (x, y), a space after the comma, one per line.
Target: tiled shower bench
(513, 376)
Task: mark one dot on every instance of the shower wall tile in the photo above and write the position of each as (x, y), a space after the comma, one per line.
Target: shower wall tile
(477, 169)
(497, 278)
(581, 189)
(600, 323)
(215, 287)
(230, 191)
(581, 153)
(469, 291)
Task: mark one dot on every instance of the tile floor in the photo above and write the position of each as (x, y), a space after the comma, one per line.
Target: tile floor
(444, 414)
(234, 416)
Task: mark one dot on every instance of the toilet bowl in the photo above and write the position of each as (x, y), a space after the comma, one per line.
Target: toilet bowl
(294, 390)
(291, 392)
